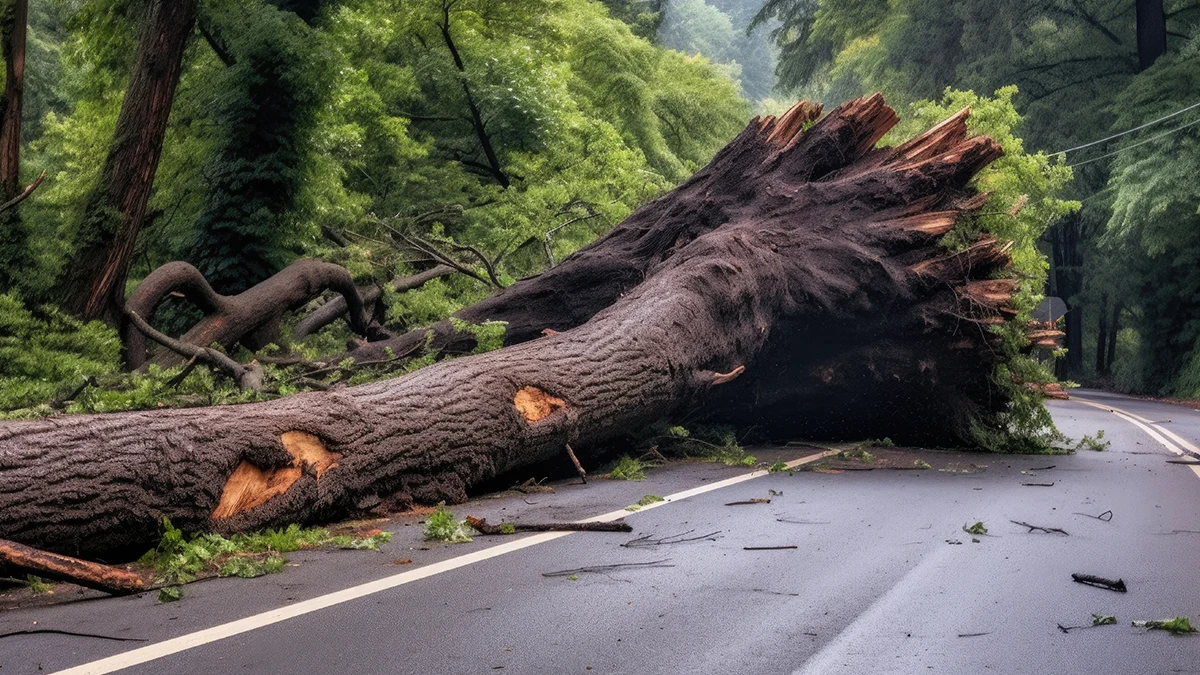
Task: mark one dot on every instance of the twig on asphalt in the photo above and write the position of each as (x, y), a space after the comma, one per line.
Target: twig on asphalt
(1043, 468)
(1100, 582)
(1038, 484)
(484, 527)
(600, 569)
(1099, 517)
(73, 634)
(1047, 530)
(802, 522)
(645, 541)
(756, 500)
(972, 634)
(1185, 462)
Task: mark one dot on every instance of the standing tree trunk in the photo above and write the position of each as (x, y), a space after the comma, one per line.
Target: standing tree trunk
(1102, 337)
(13, 26)
(1114, 328)
(789, 242)
(1151, 32)
(94, 279)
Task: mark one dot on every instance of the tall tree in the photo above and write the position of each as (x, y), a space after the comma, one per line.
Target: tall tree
(1151, 32)
(94, 279)
(13, 23)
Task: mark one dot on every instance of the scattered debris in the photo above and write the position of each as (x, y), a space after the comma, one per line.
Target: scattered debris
(1047, 530)
(402, 561)
(767, 548)
(756, 500)
(483, 527)
(1106, 516)
(1038, 484)
(977, 528)
(1043, 468)
(1180, 532)
(1096, 443)
(601, 569)
(777, 467)
(775, 493)
(441, 525)
(645, 541)
(578, 466)
(1100, 582)
(532, 485)
(972, 634)
(857, 454)
(572, 577)
(1102, 620)
(1180, 625)
(954, 542)
(921, 464)
(1186, 462)
(170, 594)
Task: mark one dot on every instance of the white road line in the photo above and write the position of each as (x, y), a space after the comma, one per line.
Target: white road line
(182, 643)
(1144, 424)
(1157, 425)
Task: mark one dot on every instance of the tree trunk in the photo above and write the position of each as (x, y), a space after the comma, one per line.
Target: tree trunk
(13, 26)
(94, 278)
(1151, 32)
(1102, 337)
(1114, 328)
(805, 247)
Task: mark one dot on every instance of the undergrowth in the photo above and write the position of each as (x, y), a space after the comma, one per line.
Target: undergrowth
(179, 559)
(441, 525)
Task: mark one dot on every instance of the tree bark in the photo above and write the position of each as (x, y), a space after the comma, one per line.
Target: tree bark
(1151, 32)
(94, 280)
(791, 243)
(13, 27)
(1102, 337)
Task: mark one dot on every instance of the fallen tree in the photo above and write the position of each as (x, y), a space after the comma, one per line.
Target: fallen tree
(801, 256)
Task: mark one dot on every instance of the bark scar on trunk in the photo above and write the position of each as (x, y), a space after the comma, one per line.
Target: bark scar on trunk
(249, 486)
(535, 404)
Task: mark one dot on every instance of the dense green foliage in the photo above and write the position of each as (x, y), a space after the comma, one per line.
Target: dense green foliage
(1128, 257)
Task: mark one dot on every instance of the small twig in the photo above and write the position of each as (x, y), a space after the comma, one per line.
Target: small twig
(247, 378)
(972, 634)
(1186, 462)
(1047, 530)
(1099, 517)
(645, 541)
(600, 569)
(1100, 582)
(72, 633)
(484, 527)
(578, 466)
(1043, 468)
(802, 522)
(756, 500)
(1038, 484)
(767, 548)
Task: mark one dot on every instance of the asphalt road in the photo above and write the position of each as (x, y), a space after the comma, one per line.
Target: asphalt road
(875, 585)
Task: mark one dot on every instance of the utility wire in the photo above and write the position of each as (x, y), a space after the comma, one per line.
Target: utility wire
(1129, 131)
(1130, 147)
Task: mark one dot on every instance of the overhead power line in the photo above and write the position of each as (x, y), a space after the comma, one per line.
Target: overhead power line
(1130, 147)
(1130, 131)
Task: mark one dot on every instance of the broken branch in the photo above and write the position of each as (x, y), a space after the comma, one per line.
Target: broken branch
(1047, 530)
(1100, 582)
(600, 569)
(98, 576)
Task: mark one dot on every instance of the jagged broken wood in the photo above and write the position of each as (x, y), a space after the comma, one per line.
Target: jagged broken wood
(802, 260)
(1039, 528)
(1117, 585)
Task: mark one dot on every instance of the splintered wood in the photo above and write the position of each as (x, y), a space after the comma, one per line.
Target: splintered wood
(250, 486)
